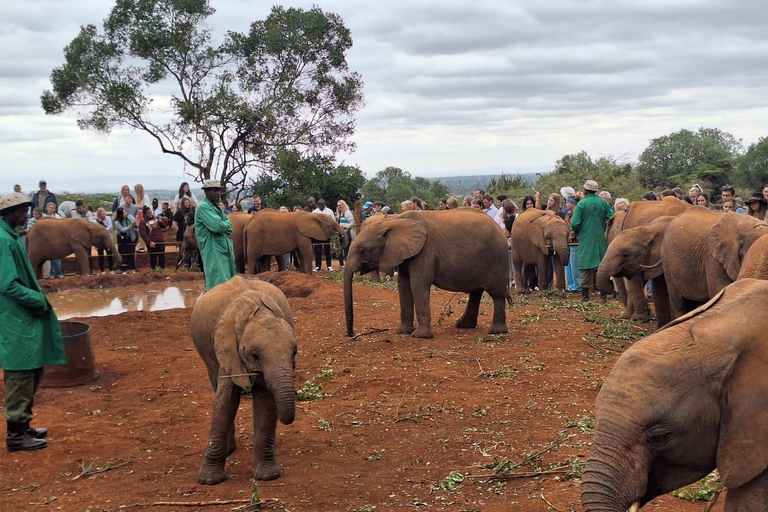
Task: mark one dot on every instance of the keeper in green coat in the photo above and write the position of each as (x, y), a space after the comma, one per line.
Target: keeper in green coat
(30, 336)
(214, 230)
(588, 223)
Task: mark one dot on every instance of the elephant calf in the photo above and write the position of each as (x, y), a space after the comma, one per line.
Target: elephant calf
(55, 239)
(244, 331)
(687, 399)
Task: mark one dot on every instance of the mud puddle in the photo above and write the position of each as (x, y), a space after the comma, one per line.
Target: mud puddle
(112, 301)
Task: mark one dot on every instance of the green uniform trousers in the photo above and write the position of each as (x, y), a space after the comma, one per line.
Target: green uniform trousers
(586, 276)
(20, 389)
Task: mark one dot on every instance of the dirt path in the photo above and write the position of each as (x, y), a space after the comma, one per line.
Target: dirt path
(398, 415)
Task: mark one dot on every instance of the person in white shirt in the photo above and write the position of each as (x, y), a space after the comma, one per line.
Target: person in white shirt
(320, 245)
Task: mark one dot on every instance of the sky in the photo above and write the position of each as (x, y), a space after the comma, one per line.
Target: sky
(451, 87)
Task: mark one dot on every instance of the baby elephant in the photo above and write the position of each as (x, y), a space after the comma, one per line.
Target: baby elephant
(244, 331)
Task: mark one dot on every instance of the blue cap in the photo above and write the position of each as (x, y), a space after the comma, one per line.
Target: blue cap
(367, 205)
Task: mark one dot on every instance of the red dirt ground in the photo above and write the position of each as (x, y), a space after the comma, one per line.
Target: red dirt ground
(400, 413)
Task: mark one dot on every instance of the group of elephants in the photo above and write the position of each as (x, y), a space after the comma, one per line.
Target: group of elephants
(681, 402)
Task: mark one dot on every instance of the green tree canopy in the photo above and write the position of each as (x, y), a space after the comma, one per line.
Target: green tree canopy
(294, 178)
(753, 165)
(706, 156)
(283, 84)
(611, 174)
(394, 185)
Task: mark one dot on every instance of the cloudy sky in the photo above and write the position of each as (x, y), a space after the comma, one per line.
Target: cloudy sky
(451, 87)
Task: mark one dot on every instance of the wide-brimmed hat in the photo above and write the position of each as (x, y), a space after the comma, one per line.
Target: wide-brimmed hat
(591, 185)
(211, 184)
(12, 201)
(567, 192)
(756, 197)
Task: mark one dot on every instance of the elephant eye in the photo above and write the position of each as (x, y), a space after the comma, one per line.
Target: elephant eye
(625, 255)
(255, 355)
(659, 438)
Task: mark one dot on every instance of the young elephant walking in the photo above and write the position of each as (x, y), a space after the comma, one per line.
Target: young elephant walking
(244, 331)
(456, 250)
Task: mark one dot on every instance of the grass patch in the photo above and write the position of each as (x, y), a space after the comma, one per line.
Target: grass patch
(703, 490)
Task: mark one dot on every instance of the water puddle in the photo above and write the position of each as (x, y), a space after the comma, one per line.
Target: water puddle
(112, 301)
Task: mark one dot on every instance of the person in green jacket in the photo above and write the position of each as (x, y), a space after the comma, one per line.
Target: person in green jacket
(30, 337)
(588, 223)
(213, 230)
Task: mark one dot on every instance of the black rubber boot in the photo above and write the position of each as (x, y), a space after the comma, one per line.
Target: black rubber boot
(584, 294)
(18, 439)
(37, 433)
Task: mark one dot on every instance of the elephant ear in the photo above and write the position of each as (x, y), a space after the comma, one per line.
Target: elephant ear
(739, 358)
(652, 238)
(541, 225)
(80, 232)
(404, 238)
(311, 225)
(724, 240)
(272, 305)
(229, 330)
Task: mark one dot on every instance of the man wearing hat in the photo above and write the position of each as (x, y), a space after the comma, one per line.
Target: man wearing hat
(42, 197)
(30, 337)
(588, 223)
(214, 230)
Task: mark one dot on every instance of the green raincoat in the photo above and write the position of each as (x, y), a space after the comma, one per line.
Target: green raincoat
(30, 336)
(588, 223)
(213, 230)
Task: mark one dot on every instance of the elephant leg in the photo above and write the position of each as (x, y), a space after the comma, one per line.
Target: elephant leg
(661, 301)
(305, 257)
(264, 263)
(406, 303)
(621, 290)
(519, 284)
(374, 276)
(265, 465)
(559, 273)
(636, 295)
(280, 262)
(542, 263)
(677, 303)
(421, 283)
(469, 319)
(499, 323)
(83, 259)
(222, 428)
(252, 262)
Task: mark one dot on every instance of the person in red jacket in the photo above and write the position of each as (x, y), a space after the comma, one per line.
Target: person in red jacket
(151, 230)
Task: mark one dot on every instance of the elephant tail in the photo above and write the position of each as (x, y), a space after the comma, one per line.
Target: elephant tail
(509, 298)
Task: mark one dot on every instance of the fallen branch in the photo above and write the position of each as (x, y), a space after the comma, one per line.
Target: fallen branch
(602, 347)
(247, 503)
(512, 476)
(397, 411)
(372, 331)
(89, 469)
(711, 503)
(548, 503)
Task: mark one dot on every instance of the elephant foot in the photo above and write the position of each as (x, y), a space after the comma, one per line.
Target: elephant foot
(405, 328)
(211, 474)
(266, 470)
(423, 332)
(498, 328)
(641, 317)
(466, 323)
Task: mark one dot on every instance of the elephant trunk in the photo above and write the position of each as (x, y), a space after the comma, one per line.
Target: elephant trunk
(604, 283)
(602, 486)
(563, 252)
(117, 260)
(349, 272)
(282, 389)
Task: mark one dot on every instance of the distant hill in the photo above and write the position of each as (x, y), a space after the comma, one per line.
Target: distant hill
(461, 185)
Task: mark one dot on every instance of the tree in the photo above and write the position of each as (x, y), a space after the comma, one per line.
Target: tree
(753, 165)
(284, 84)
(611, 173)
(706, 156)
(394, 185)
(294, 177)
